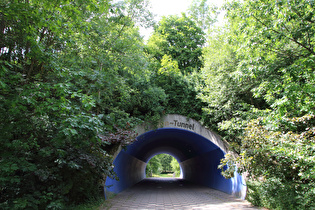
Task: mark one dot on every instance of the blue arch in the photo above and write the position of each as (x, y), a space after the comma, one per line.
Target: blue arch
(198, 157)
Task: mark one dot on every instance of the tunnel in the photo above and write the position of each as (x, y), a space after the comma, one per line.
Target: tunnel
(197, 150)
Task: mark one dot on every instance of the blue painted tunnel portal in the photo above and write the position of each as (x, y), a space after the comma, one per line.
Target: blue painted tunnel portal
(198, 157)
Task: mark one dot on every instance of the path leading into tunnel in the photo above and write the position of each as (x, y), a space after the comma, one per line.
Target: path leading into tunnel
(173, 193)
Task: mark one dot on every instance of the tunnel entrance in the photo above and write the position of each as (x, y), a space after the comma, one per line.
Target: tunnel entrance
(197, 150)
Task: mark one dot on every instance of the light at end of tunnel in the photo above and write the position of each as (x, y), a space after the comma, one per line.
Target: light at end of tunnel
(163, 164)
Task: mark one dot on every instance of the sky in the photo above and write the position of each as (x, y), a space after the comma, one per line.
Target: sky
(171, 7)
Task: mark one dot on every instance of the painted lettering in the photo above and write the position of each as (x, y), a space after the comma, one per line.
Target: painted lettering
(185, 125)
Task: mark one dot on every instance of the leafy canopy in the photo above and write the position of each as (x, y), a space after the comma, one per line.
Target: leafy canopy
(180, 38)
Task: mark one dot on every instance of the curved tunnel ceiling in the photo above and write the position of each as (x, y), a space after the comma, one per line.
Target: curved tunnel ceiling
(182, 144)
(198, 157)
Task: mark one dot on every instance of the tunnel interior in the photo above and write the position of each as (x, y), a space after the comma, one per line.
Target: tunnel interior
(198, 158)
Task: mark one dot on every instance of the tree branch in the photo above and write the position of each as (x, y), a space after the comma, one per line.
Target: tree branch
(292, 39)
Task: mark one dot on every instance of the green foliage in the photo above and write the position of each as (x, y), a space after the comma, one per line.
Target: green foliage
(272, 194)
(180, 91)
(165, 160)
(284, 158)
(175, 47)
(154, 166)
(180, 38)
(49, 144)
(168, 66)
(258, 84)
(204, 15)
(92, 204)
(75, 78)
(175, 167)
(278, 160)
(278, 50)
(230, 102)
(138, 11)
(251, 71)
(162, 163)
(67, 71)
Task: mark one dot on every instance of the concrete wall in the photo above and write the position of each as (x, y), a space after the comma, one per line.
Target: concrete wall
(129, 170)
(204, 170)
(197, 149)
(182, 122)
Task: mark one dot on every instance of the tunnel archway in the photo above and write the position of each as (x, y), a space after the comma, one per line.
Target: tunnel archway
(197, 149)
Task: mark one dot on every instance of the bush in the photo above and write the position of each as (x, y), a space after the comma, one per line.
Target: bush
(283, 160)
(276, 194)
(253, 193)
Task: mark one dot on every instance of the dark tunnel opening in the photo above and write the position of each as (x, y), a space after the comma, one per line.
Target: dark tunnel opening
(198, 158)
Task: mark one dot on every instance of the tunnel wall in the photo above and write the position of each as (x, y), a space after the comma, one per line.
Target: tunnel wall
(197, 149)
(201, 170)
(129, 171)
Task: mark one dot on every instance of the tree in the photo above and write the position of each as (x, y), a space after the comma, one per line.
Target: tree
(165, 160)
(203, 14)
(174, 40)
(48, 134)
(62, 98)
(175, 167)
(180, 38)
(279, 50)
(179, 89)
(282, 161)
(229, 98)
(154, 166)
(276, 51)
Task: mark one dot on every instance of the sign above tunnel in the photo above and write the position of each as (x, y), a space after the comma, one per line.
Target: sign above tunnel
(182, 122)
(179, 124)
(178, 121)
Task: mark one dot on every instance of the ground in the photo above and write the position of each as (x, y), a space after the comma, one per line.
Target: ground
(174, 193)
